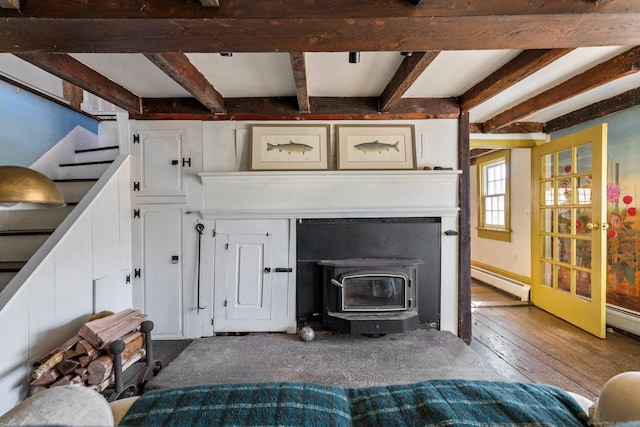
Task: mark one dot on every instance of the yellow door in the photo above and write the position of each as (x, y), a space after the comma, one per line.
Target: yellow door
(569, 229)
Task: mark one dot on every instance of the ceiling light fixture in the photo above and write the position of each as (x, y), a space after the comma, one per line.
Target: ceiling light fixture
(23, 188)
(354, 57)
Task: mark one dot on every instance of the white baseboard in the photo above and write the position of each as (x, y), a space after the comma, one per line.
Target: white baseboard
(624, 320)
(517, 289)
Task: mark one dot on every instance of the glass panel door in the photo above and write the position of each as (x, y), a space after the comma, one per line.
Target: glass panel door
(569, 228)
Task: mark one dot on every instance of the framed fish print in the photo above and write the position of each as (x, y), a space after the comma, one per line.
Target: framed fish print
(376, 146)
(289, 147)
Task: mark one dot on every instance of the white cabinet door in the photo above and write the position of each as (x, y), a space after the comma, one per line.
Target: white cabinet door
(161, 162)
(251, 276)
(158, 262)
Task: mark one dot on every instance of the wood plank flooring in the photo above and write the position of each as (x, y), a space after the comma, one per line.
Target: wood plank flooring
(525, 343)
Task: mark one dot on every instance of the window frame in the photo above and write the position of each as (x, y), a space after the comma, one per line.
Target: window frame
(492, 232)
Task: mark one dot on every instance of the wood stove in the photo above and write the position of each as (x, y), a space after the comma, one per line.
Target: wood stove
(370, 295)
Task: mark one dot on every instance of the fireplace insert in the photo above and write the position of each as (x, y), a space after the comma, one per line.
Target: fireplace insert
(370, 295)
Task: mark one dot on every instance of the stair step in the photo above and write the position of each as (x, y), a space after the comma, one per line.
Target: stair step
(39, 232)
(100, 162)
(21, 245)
(35, 218)
(74, 189)
(85, 170)
(12, 266)
(5, 278)
(100, 154)
(89, 150)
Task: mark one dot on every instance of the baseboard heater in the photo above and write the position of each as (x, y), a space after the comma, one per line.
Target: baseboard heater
(623, 319)
(510, 286)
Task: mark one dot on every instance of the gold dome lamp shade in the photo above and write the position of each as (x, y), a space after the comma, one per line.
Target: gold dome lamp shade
(23, 188)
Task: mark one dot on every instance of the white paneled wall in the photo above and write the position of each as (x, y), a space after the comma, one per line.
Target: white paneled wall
(57, 295)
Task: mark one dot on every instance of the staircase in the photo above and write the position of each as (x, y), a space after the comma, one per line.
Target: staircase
(23, 232)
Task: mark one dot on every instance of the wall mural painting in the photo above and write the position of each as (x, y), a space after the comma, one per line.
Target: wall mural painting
(623, 235)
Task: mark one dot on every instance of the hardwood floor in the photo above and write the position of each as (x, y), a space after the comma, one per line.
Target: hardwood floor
(525, 343)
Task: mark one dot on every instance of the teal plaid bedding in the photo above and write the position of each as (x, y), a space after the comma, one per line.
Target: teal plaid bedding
(428, 403)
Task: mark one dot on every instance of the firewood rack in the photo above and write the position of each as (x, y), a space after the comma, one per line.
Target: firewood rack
(152, 366)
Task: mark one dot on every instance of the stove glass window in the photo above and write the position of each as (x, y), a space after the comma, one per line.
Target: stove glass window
(374, 292)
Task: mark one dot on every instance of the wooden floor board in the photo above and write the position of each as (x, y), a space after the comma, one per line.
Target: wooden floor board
(537, 363)
(527, 342)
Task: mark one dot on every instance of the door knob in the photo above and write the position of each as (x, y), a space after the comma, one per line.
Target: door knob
(593, 226)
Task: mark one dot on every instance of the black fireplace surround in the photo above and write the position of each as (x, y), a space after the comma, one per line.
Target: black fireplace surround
(416, 238)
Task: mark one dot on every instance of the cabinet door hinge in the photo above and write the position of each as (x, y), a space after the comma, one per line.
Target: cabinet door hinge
(136, 213)
(211, 322)
(224, 303)
(136, 138)
(213, 234)
(136, 185)
(186, 162)
(136, 272)
(226, 246)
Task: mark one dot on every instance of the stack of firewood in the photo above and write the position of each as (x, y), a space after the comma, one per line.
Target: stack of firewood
(85, 358)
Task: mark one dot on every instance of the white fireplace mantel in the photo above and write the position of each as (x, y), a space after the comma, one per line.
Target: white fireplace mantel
(329, 194)
(346, 194)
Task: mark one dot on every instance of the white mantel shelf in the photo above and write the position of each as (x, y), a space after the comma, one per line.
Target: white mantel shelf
(329, 194)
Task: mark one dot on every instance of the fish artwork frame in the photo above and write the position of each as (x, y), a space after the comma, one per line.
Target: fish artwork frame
(389, 147)
(289, 147)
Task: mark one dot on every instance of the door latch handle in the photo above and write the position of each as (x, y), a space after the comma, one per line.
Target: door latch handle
(283, 270)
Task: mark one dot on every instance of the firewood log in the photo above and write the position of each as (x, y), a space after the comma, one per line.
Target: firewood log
(47, 378)
(47, 366)
(85, 347)
(137, 356)
(133, 342)
(100, 369)
(103, 331)
(85, 360)
(52, 359)
(67, 345)
(66, 380)
(67, 366)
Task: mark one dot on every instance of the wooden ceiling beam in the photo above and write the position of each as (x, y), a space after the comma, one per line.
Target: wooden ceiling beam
(294, 26)
(73, 71)
(516, 70)
(299, 69)
(620, 102)
(518, 127)
(622, 65)
(407, 73)
(286, 108)
(180, 69)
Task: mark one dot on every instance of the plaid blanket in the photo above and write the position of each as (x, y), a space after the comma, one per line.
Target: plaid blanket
(428, 403)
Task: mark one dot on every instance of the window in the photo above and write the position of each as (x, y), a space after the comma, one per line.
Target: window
(493, 196)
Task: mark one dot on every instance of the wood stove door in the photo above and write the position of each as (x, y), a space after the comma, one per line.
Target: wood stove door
(249, 294)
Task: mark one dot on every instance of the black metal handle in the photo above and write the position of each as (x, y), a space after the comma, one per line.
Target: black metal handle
(175, 162)
(284, 270)
(451, 233)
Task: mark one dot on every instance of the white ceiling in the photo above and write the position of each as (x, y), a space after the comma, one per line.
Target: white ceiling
(451, 74)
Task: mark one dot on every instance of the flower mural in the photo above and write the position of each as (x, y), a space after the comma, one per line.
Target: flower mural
(623, 240)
